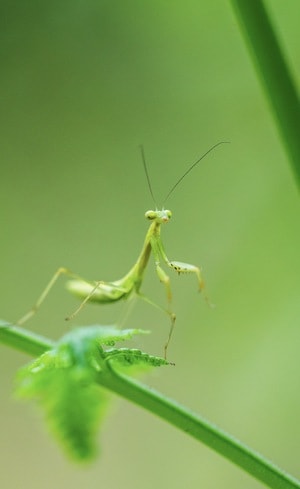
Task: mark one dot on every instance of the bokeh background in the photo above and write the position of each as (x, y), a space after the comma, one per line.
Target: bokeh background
(82, 85)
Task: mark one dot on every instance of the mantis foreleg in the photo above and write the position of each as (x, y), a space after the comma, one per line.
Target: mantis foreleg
(181, 267)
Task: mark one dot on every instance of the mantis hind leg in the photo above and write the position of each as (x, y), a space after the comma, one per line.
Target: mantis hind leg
(165, 279)
(158, 251)
(60, 271)
(64, 271)
(83, 303)
(171, 315)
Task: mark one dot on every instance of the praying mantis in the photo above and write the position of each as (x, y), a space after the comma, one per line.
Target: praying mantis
(102, 292)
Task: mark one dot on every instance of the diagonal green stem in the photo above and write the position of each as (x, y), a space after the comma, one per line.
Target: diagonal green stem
(192, 424)
(274, 74)
(24, 340)
(201, 429)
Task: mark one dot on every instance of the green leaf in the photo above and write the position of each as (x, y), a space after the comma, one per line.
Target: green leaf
(99, 335)
(128, 357)
(63, 382)
(74, 405)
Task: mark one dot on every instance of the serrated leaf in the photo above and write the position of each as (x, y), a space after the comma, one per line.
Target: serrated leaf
(104, 335)
(63, 381)
(73, 403)
(132, 356)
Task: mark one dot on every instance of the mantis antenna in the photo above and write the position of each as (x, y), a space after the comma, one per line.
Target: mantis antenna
(147, 174)
(191, 168)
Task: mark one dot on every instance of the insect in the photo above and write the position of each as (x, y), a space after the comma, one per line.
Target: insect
(109, 292)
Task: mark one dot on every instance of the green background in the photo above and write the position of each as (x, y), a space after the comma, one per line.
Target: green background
(82, 85)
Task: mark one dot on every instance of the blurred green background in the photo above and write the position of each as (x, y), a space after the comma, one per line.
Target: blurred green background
(82, 85)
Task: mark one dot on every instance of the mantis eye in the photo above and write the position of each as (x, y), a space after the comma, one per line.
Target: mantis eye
(150, 215)
(169, 214)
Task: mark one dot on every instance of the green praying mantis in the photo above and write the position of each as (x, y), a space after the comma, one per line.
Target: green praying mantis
(102, 292)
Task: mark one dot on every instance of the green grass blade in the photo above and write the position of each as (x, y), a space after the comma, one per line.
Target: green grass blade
(274, 74)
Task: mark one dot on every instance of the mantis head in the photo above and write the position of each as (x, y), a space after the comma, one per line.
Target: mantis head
(160, 217)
